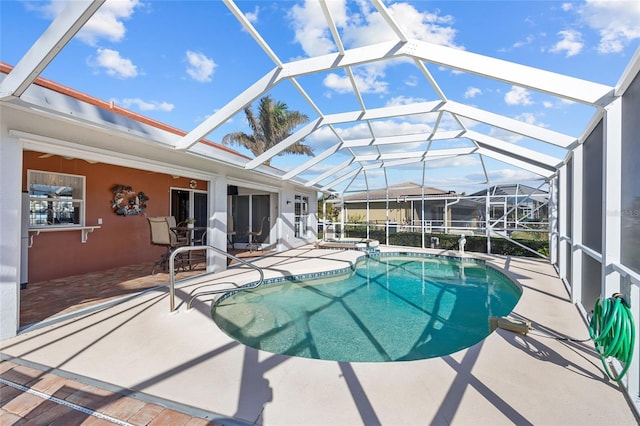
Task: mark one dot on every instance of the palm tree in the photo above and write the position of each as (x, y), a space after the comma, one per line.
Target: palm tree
(273, 124)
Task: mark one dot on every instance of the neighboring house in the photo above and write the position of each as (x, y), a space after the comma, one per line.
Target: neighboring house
(521, 202)
(405, 207)
(443, 211)
(91, 172)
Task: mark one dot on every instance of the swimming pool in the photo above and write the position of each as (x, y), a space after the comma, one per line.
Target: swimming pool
(389, 308)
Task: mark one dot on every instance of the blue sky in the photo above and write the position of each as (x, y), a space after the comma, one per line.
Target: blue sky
(180, 61)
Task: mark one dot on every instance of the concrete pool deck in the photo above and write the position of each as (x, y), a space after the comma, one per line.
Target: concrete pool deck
(183, 358)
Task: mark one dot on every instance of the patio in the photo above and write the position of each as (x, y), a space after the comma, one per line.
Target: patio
(49, 300)
(184, 360)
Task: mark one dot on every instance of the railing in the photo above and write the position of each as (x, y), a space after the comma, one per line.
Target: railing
(172, 269)
(452, 226)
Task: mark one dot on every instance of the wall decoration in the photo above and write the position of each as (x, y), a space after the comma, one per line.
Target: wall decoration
(127, 202)
(193, 184)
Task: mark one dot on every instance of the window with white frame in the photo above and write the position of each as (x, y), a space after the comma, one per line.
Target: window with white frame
(55, 199)
(301, 214)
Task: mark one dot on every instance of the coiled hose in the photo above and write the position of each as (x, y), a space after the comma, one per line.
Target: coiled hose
(613, 332)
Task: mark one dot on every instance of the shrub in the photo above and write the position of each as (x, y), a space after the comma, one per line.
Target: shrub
(475, 243)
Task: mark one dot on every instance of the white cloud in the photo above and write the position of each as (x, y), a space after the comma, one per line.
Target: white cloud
(147, 105)
(458, 161)
(200, 67)
(618, 22)
(338, 83)
(370, 27)
(518, 96)
(253, 16)
(557, 103)
(367, 79)
(472, 92)
(527, 41)
(397, 128)
(505, 135)
(529, 118)
(411, 81)
(403, 100)
(113, 64)
(510, 176)
(108, 22)
(361, 27)
(48, 10)
(310, 26)
(571, 43)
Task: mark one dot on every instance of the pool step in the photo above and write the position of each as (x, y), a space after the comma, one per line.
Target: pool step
(234, 317)
(268, 328)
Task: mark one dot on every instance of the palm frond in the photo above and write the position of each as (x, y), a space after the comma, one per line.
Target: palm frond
(272, 124)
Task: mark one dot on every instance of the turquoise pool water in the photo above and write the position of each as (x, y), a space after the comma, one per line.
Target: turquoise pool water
(396, 308)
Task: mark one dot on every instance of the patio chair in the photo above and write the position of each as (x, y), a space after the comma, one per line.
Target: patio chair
(162, 235)
(180, 235)
(253, 235)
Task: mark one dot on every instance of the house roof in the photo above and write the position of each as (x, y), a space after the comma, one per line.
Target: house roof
(112, 107)
(397, 191)
(453, 129)
(513, 190)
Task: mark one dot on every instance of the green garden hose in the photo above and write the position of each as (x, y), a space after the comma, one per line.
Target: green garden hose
(613, 332)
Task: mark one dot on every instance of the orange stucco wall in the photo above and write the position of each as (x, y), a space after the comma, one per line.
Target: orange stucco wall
(121, 240)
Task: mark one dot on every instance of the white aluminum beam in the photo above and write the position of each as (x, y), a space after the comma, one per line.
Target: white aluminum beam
(251, 30)
(377, 113)
(229, 109)
(312, 162)
(515, 162)
(51, 42)
(284, 144)
(351, 57)
(341, 179)
(384, 12)
(410, 138)
(576, 190)
(555, 84)
(416, 154)
(506, 123)
(612, 198)
(422, 67)
(513, 149)
(329, 172)
(563, 220)
(385, 112)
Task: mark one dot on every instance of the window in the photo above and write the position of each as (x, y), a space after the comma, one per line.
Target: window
(55, 199)
(301, 211)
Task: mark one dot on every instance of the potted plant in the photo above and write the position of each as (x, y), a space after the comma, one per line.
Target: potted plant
(190, 222)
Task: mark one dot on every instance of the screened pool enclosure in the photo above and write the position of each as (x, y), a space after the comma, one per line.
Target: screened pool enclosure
(578, 190)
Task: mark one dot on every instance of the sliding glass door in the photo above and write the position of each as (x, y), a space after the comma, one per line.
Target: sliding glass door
(186, 203)
(251, 213)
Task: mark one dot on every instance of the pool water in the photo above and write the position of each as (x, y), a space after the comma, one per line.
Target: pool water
(397, 308)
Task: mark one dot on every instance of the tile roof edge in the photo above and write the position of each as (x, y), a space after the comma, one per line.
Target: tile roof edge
(110, 106)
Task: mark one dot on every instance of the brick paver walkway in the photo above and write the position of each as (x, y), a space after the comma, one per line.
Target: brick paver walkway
(55, 400)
